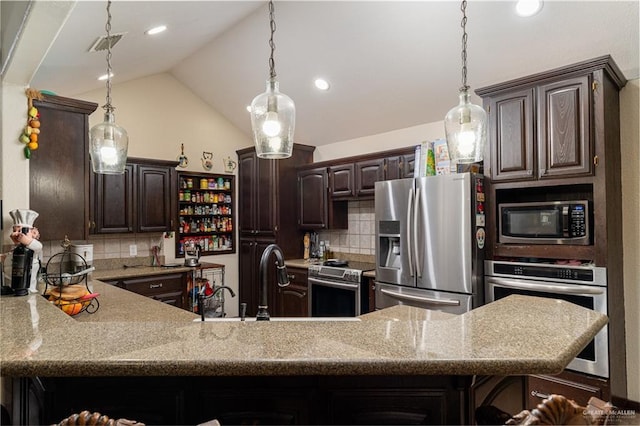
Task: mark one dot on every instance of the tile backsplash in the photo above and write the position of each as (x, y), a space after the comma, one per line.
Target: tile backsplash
(111, 247)
(360, 237)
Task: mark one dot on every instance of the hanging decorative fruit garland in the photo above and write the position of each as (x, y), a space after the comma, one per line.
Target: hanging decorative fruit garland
(31, 131)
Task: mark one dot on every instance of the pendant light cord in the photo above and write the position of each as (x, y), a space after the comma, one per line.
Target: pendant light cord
(463, 24)
(272, 45)
(108, 107)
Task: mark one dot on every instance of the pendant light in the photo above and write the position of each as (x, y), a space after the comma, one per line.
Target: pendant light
(465, 125)
(273, 114)
(108, 142)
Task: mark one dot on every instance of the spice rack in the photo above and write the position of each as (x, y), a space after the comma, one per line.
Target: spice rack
(206, 213)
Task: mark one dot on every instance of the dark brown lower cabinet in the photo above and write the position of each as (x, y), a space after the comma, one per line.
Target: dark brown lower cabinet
(293, 300)
(339, 400)
(575, 386)
(169, 288)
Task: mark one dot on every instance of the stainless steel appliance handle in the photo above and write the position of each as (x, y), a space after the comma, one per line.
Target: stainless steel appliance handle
(408, 236)
(447, 302)
(563, 289)
(416, 219)
(326, 283)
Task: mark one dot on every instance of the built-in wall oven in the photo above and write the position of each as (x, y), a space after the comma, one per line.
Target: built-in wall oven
(338, 291)
(582, 285)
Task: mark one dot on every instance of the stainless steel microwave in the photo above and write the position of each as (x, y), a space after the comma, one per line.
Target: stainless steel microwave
(545, 222)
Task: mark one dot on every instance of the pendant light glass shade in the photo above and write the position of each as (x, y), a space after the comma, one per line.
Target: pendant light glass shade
(108, 147)
(273, 117)
(465, 125)
(108, 142)
(465, 128)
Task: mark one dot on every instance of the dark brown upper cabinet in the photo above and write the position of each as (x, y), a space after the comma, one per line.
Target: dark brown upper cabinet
(341, 181)
(316, 210)
(59, 170)
(367, 174)
(541, 131)
(140, 200)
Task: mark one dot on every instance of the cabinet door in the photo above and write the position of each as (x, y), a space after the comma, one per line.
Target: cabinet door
(564, 128)
(341, 181)
(393, 168)
(112, 202)
(408, 165)
(312, 198)
(266, 197)
(59, 170)
(367, 174)
(246, 192)
(293, 300)
(249, 266)
(511, 136)
(573, 386)
(174, 298)
(154, 187)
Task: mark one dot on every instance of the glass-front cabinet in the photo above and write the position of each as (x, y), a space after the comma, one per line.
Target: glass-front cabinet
(205, 213)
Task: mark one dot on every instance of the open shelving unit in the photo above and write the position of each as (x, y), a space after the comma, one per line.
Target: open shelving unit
(206, 213)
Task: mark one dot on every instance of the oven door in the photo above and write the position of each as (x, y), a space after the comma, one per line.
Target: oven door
(594, 359)
(390, 295)
(333, 298)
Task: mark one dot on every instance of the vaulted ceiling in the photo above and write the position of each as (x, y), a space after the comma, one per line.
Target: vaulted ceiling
(391, 64)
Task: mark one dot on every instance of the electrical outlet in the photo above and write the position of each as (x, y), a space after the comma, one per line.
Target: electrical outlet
(133, 250)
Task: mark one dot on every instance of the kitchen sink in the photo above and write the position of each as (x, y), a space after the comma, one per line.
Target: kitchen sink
(282, 319)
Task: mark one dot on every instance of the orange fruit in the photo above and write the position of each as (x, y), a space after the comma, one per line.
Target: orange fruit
(34, 123)
(33, 137)
(33, 146)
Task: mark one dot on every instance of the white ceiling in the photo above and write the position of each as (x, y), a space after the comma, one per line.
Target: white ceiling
(391, 64)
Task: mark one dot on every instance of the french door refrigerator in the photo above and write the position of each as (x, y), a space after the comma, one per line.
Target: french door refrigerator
(430, 235)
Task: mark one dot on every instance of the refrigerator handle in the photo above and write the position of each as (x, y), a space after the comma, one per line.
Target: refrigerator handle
(416, 221)
(408, 236)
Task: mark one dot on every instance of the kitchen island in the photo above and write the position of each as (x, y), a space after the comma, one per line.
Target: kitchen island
(138, 358)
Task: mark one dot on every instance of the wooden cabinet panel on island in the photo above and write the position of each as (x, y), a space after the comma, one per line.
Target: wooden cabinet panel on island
(139, 200)
(59, 170)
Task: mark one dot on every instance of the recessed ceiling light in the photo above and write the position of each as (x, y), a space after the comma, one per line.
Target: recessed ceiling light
(156, 30)
(104, 77)
(526, 8)
(321, 84)
(248, 108)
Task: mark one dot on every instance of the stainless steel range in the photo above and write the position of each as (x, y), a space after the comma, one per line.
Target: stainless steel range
(338, 291)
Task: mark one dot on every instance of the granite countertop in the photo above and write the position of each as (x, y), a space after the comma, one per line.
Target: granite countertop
(131, 335)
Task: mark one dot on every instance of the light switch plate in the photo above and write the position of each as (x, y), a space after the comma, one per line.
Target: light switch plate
(133, 250)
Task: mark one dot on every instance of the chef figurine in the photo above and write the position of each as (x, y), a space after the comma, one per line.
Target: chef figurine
(25, 234)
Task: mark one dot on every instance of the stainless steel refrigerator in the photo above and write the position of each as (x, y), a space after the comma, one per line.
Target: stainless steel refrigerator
(430, 235)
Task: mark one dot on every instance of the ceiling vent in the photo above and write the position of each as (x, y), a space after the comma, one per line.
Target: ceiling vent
(103, 42)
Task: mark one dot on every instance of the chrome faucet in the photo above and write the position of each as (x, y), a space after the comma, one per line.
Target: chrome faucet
(201, 298)
(283, 279)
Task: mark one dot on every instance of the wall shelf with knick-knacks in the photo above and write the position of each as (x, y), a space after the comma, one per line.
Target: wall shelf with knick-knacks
(206, 213)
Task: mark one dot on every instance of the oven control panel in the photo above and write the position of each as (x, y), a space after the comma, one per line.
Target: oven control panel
(335, 273)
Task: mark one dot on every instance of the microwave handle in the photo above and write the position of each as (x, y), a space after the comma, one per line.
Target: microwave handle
(551, 288)
(565, 221)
